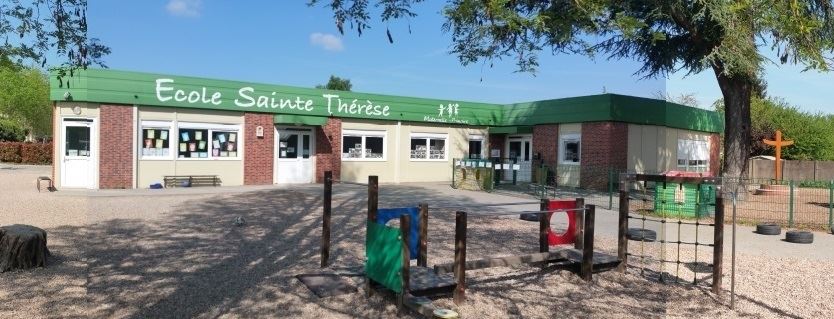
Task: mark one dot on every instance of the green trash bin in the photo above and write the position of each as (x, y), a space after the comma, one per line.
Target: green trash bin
(688, 200)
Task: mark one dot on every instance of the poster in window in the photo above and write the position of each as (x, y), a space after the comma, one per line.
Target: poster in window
(182, 147)
(184, 136)
(230, 146)
(148, 143)
(163, 134)
(158, 143)
(198, 135)
(232, 137)
(151, 134)
(222, 138)
(232, 154)
(215, 151)
(192, 147)
(202, 145)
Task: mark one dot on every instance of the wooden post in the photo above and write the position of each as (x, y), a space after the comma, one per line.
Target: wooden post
(424, 233)
(405, 271)
(622, 240)
(718, 247)
(587, 267)
(325, 224)
(460, 258)
(373, 197)
(580, 217)
(544, 226)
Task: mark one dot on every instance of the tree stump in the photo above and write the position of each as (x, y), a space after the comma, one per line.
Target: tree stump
(22, 247)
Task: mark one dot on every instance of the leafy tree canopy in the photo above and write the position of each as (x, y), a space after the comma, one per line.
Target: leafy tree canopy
(336, 83)
(25, 98)
(665, 36)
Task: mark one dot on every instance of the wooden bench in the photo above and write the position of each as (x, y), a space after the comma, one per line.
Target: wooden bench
(191, 180)
(48, 179)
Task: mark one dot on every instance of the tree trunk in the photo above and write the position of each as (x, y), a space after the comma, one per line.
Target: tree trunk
(736, 91)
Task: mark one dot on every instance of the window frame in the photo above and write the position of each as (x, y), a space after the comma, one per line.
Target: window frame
(567, 138)
(699, 168)
(475, 138)
(157, 125)
(428, 137)
(364, 134)
(211, 128)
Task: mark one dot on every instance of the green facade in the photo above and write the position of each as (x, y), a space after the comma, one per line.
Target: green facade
(305, 105)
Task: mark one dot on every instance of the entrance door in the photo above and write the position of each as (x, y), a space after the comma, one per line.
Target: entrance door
(520, 148)
(294, 156)
(78, 153)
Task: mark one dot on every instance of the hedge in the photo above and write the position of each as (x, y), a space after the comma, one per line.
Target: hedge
(27, 153)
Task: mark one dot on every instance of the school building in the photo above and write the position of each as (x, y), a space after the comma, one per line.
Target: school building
(120, 129)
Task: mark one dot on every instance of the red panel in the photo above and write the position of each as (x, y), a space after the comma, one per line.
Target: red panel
(569, 236)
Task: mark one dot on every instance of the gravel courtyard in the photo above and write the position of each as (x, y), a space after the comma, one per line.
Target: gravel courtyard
(177, 254)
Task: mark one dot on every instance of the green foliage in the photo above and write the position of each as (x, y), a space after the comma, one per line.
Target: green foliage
(11, 131)
(811, 132)
(336, 83)
(25, 99)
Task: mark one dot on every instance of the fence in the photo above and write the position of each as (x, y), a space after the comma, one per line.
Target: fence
(792, 170)
(804, 203)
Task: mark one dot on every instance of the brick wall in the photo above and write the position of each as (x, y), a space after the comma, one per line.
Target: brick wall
(545, 142)
(116, 146)
(329, 149)
(496, 141)
(258, 155)
(714, 151)
(604, 146)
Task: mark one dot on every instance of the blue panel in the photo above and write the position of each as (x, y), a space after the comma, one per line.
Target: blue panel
(383, 215)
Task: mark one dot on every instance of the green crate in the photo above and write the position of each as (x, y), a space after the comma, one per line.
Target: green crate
(688, 200)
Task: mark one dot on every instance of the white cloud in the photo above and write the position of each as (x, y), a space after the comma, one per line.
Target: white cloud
(184, 8)
(327, 41)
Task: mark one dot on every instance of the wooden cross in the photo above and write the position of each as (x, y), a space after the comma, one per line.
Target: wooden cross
(778, 143)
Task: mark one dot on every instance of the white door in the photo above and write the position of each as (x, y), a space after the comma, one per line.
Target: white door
(78, 153)
(294, 160)
(520, 148)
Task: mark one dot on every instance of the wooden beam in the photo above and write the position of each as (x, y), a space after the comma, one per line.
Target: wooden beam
(622, 240)
(459, 295)
(718, 247)
(544, 226)
(586, 269)
(325, 223)
(507, 261)
(424, 234)
(373, 197)
(580, 203)
(405, 220)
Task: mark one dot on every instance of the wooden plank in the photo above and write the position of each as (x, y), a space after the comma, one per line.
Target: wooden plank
(580, 215)
(460, 258)
(718, 248)
(622, 240)
(544, 226)
(504, 261)
(325, 224)
(586, 269)
(405, 272)
(424, 234)
(373, 197)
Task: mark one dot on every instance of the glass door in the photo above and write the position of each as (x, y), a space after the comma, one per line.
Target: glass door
(77, 154)
(294, 156)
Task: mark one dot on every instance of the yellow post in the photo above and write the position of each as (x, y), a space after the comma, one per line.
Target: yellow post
(778, 143)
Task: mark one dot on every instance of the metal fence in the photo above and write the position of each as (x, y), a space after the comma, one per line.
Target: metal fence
(806, 204)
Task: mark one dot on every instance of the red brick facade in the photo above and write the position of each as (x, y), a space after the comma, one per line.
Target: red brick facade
(496, 141)
(116, 147)
(604, 146)
(714, 153)
(329, 149)
(546, 142)
(258, 155)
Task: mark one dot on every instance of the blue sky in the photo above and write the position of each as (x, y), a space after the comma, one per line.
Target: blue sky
(287, 42)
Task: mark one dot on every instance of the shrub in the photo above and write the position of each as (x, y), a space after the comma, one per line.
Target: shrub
(11, 131)
(10, 152)
(36, 153)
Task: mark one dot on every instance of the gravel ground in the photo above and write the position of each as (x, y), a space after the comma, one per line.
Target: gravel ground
(180, 256)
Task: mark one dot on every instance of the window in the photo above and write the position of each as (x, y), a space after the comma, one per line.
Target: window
(208, 141)
(155, 140)
(693, 155)
(363, 145)
(428, 146)
(570, 149)
(476, 146)
(223, 144)
(77, 141)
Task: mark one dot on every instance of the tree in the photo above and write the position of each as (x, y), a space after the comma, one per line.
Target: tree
(666, 36)
(36, 29)
(25, 99)
(336, 83)
(687, 99)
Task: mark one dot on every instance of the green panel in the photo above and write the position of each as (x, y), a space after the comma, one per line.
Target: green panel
(384, 256)
(299, 119)
(667, 203)
(121, 87)
(510, 129)
(569, 110)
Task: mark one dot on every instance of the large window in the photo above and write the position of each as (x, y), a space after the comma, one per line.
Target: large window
(693, 155)
(570, 149)
(208, 141)
(426, 146)
(476, 146)
(363, 145)
(155, 140)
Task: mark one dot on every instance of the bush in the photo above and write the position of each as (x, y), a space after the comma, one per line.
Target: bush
(11, 131)
(27, 153)
(36, 153)
(10, 152)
